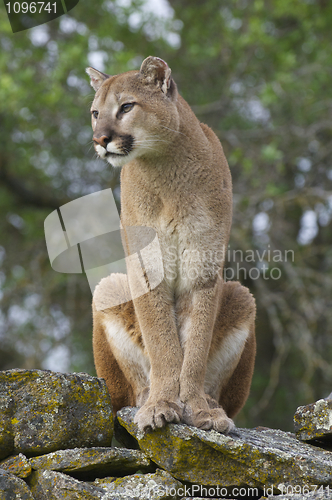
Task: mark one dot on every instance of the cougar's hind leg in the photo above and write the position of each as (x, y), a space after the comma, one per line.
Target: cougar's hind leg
(233, 348)
(235, 393)
(107, 367)
(119, 354)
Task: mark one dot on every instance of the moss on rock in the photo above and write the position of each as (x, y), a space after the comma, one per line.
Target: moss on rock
(254, 457)
(13, 488)
(90, 463)
(314, 421)
(160, 485)
(18, 465)
(44, 411)
(51, 485)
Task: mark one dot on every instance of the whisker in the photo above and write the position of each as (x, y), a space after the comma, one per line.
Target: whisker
(157, 139)
(146, 143)
(176, 131)
(151, 141)
(154, 138)
(147, 147)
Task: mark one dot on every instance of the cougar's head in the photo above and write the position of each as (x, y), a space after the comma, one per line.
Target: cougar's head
(134, 113)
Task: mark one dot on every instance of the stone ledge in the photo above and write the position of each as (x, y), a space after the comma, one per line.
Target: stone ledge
(253, 457)
(63, 418)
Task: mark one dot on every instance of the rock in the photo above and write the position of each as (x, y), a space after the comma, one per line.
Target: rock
(253, 457)
(90, 463)
(50, 485)
(13, 488)
(6, 436)
(123, 437)
(314, 421)
(160, 485)
(44, 411)
(17, 465)
(104, 480)
(320, 494)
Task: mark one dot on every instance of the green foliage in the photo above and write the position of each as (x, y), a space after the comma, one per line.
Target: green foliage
(259, 74)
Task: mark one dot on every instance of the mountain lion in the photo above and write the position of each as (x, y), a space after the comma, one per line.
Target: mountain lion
(184, 351)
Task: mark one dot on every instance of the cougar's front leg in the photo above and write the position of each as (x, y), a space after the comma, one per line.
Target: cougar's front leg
(155, 313)
(197, 412)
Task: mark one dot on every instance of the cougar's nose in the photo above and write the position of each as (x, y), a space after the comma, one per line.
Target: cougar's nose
(102, 141)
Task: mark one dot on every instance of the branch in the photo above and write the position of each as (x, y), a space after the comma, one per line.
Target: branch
(39, 199)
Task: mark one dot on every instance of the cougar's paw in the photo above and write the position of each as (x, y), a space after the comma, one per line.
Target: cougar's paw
(206, 419)
(153, 415)
(221, 423)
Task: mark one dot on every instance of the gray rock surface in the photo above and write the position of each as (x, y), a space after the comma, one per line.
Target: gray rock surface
(43, 411)
(253, 457)
(66, 419)
(50, 485)
(91, 463)
(13, 488)
(160, 485)
(18, 465)
(324, 494)
(314, 421)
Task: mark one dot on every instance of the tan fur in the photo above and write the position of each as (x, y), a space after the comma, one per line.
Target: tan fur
(185, 350)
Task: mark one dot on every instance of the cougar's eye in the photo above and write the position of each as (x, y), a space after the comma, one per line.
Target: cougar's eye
(125, 108)
(95, 114)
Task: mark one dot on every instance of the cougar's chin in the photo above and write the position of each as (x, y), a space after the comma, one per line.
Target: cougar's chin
(119, 160)
(115, 159)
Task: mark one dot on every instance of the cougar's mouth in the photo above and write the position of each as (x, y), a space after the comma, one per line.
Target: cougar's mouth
(114, 155)
(118, 151)
(120, 146)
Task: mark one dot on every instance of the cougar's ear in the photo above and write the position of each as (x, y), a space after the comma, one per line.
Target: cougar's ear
(97, 77)
(155, 71)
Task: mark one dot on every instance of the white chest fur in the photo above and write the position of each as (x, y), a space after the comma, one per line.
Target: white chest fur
(189, 250)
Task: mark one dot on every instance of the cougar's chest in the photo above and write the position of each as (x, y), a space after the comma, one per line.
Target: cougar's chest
(180, 235)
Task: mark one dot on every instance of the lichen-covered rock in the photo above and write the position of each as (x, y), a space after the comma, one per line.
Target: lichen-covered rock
(123, 437)
(253, 457)
(18, 465)
(314, 421)
(50, 485)
(13, 488)
(104, 480)
(43, 411)
(160, 485)
(319, 494)
(6, 436)
(90, 463)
